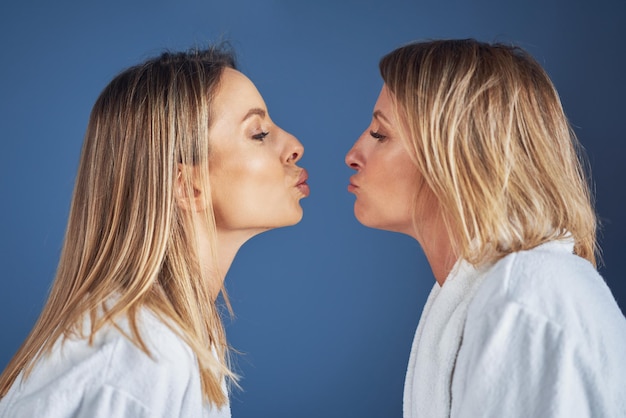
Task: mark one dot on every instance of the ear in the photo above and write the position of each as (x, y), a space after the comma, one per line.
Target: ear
(189, 193)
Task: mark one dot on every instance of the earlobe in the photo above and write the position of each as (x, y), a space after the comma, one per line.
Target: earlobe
(188, 190)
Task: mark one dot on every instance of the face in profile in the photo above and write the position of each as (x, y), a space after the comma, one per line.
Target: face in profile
(255, 182)
(385, 181)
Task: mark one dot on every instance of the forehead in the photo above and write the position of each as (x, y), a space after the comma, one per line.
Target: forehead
(384, 98)
(235, 96)
(383, 108)
(236, 90)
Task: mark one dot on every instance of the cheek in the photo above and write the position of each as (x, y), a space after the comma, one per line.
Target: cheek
(388, 199)
(394, 180)
(259, 175)
(250, 191)
(246, 172)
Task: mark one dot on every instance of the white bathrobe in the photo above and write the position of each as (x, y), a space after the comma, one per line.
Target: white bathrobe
(537, 334)
(113, 378)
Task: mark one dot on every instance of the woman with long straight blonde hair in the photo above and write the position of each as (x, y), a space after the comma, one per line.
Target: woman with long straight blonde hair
(470, 153)
(181, 164)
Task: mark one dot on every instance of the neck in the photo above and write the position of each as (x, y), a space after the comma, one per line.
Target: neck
(441, 258)
(229, 241)
(437, 247)
(228, 244)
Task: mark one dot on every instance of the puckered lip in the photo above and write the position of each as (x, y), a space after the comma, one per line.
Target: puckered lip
(301, 185)
(352, 186)
(304, 176)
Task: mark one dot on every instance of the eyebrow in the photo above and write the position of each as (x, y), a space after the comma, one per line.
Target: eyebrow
(254, 111)
(379, 115)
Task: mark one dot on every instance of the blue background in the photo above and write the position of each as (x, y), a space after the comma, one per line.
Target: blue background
(326, 310)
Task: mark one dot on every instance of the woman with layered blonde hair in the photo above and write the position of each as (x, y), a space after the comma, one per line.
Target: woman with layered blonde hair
(469, 151)
(181, 164)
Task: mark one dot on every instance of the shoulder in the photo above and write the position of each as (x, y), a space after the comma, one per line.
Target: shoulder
(160, 379)
(553, 296)
(165, 347)
(549, 281)
(543, 330)
(113, 374)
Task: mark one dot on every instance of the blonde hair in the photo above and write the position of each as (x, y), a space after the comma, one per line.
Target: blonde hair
(128, 244)
(486, 129)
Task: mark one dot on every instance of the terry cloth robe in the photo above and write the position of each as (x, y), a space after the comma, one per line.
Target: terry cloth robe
(537, 334)
(113, 378)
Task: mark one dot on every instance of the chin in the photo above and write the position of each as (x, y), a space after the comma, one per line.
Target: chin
(296, 218)
(369, 224)
(361, 216)
(371, 221)
(289, 220)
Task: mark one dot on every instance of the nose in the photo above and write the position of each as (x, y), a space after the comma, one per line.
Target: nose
(353, 159)
(293, 150)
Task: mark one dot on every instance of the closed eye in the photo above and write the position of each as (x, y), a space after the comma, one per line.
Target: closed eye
(377, 136)
(260, 136)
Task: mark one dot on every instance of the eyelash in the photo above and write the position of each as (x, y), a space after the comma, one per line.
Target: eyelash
(260, 136)
(379, 137)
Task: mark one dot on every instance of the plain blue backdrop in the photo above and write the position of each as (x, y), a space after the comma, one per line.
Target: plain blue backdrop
(325, 310)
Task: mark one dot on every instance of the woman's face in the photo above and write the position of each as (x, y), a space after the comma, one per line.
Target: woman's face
(386, 180)
(255, 183)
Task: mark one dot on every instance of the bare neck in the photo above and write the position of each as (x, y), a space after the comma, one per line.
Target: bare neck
(441, 258)
(228, 244)
(438, 248)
